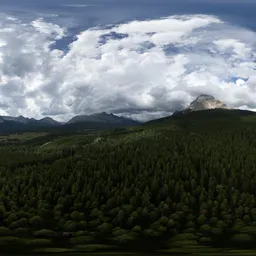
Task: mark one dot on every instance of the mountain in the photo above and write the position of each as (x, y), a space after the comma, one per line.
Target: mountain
(22, 119)
(48, 121)
(25, 120)
(10, 124)
(203, 102)
(98, 121)
(19, 119)
(30, 121)
(210, 119)
(102, 117)
(181, 166)
(205, 110)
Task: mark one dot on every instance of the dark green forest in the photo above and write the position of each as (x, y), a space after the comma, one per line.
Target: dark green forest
(188, 181)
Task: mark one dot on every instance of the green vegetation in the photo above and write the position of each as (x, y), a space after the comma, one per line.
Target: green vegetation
(19, 138)
(183, 184)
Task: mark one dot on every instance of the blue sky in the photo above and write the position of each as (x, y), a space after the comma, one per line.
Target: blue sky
(142, 59)
(241, 12)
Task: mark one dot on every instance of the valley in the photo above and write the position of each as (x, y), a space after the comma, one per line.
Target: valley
(170, 185)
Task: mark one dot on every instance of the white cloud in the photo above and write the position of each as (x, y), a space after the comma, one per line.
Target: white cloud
(48, 29)
(240, 49)
(141, 69)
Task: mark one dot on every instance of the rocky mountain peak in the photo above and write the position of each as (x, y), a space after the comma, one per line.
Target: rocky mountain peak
(204, 97)
(204, 102)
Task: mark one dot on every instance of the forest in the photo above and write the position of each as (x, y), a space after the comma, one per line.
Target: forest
(180, 184)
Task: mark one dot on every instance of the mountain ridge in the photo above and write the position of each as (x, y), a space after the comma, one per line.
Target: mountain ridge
(95, 117)
(103, 120)
(26, 120)
(101, 117)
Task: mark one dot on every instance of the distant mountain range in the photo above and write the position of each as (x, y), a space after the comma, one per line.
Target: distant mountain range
(97, 121)
(98, 117)
(102, 120)
(25, 120)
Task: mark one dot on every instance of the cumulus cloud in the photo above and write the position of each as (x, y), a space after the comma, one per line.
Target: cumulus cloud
(141, 69)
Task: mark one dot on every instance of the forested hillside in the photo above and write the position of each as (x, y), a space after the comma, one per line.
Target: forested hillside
(186, 181)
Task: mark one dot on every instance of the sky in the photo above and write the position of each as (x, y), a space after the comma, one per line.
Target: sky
(141, 59)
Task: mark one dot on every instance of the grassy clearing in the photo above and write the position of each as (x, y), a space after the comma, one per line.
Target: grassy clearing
(69, 141)
(22, 137)
(207, 250)
(137, 134)
(248, 119)
(93, 247)
(53, 250)
(7, 240)
(238, 253)
(190, 250)
(129, 135)
(116, 253)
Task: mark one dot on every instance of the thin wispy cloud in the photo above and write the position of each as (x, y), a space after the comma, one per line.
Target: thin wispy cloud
(140, 69)
(78, 5)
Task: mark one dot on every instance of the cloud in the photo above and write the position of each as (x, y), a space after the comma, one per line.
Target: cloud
(141, 69)
(78, 5)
